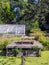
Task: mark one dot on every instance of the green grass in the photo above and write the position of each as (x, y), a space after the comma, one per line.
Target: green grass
(10, 60)
(43, 60)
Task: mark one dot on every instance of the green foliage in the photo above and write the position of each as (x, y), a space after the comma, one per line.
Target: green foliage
(40, 36)
(4, 41)
(8, 6)
(35, 24)
(18, 50)
(34, 14)
(3, 44)
(6, 14)
(35, 48)
(38, 11)
(37, 32)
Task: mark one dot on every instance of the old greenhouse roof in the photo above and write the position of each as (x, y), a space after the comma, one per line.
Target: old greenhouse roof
(12, 29)
(25, 44)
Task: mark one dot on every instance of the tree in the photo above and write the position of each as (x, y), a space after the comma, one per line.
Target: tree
(29, 12)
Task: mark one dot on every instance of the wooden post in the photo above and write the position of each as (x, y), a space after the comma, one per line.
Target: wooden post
(39, 52)
(23, 60)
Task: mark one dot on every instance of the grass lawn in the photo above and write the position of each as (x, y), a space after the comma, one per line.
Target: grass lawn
(43, 60)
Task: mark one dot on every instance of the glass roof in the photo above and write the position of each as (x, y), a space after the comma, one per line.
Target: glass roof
(17, 29)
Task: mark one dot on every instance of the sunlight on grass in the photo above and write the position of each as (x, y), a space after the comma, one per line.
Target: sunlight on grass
(43, 60)
(10, 61)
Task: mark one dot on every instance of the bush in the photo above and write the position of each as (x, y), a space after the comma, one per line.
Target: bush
(35, 24)
(18, 50)
(37, 33)
(35, 48)
(4, 43)
(40, 36)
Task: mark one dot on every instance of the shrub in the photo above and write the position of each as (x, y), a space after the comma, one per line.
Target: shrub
(18, 50)
(35, 48)
(4, 43)
(37, 33)
(35, 24)
(40, 36)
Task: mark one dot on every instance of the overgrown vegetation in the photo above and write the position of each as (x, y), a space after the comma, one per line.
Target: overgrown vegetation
(32, 15)
(40, 36)
(4, 41)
